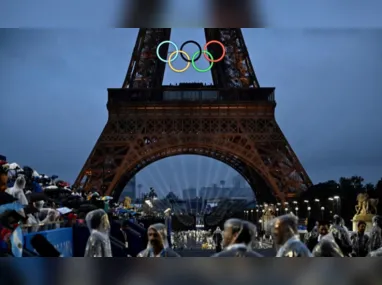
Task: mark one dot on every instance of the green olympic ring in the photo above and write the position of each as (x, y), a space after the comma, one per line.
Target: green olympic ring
(198, 69)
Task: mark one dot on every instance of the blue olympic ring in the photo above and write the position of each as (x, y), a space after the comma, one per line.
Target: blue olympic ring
(171, 43)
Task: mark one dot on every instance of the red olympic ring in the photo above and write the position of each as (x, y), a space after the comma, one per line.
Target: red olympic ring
(212, 60)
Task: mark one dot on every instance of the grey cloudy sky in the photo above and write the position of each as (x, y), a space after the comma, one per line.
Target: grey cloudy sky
(328, 90)
(53, 84)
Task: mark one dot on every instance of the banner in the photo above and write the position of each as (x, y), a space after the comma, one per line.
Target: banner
(17, 242)
(61, 239)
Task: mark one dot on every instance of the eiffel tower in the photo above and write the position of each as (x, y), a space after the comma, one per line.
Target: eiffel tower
(232, 121)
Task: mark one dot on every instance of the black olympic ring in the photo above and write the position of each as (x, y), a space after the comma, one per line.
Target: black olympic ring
(191, 42)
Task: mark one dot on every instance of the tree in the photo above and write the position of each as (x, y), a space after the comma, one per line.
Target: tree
(378, 186)
(152, 194)
(378, 194)
(357, 182)
(369, 187)
(171, 197)
(346, 189)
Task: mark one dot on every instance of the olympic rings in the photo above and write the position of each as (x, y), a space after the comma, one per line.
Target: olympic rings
(194, 58)
(171, 43)
(211, 61)
(191, 42)
(170, 64)
(223, 49)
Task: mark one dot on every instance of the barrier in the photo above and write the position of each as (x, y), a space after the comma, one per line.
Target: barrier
(61, 239)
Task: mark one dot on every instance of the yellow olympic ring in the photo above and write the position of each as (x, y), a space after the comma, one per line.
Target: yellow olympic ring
(179, 70)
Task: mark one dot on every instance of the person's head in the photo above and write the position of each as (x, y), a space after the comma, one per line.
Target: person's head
(53, 215)
(20, 182)
(39, 204)
(337, 220)
(167, 212)
(98, 220)
(323, 228)
(377, 221)
(238, 231)
(157, 235)
(361, 226)
(284, 227)
(125, 225)
(3, 178)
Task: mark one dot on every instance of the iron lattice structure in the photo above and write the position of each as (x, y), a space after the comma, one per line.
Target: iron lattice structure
(232, 121)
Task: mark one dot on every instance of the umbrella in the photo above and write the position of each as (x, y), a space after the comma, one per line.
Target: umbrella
(61, 183)
(73, 197)
(11, 207)
(122, 211)
(87, 208)
(108, 198)
(70, 202)
(64, 210)
(13, 166)
(30, 209)
(6, 198)
(28, 171)
(34, 197)
(10, 217)
(51, 187)
(56, 190)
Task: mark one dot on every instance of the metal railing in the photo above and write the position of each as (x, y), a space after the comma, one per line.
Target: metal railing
(192, 96)
(33, 228)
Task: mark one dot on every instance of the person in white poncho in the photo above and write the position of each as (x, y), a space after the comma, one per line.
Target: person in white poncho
(17, 190)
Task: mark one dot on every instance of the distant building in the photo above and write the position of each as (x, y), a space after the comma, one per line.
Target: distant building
(238, 182)
(244, 192)
(190, 193)
(214, 192)
(129, 190)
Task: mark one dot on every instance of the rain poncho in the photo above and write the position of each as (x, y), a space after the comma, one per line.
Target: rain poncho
(98, 244)
(375, 240)
(327, 247)
(217, 237)
(360, 244)
(37, 217)
(160, 229)
(341, 235)
(46, 215)
(239, 246)
(285, 233)
(52, 216)
(375, 253)
(17, 190)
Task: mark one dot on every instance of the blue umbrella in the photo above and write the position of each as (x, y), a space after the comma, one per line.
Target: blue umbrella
(123, 211)
(11, 207)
